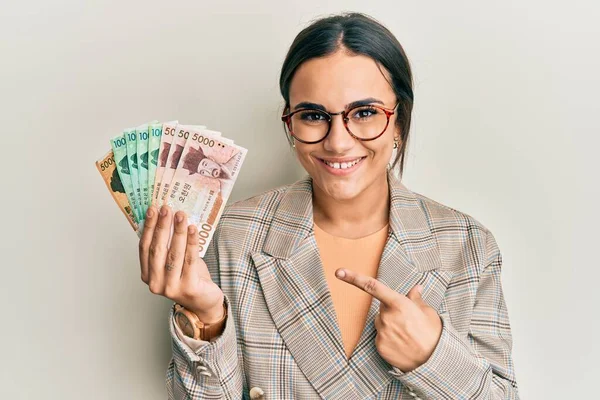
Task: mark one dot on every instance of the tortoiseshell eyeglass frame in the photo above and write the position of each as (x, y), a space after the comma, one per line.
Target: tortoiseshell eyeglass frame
(288, 117)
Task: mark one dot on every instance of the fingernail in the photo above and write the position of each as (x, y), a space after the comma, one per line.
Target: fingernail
(420, 289)
(163, 211)
(340, 273)
(150, 213)
(192, 229)
(178, 217)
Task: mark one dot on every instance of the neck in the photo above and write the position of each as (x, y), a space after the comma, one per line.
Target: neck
(360, 216)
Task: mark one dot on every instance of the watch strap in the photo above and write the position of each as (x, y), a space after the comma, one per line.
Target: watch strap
(191, 325)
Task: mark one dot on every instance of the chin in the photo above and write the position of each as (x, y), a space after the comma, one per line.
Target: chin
(340, 190)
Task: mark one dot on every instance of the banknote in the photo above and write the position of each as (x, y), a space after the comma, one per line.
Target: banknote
(142, 153)
(108, 169)
(119, 146)
(132, 159)
(182, 133)
(168, 133)
(155, 134)
(163, 154)
(204, 179)
(193, 133)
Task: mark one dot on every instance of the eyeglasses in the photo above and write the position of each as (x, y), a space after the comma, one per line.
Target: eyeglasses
(364, 122)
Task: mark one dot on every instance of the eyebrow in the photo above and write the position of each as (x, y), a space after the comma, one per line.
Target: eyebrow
(316, 106)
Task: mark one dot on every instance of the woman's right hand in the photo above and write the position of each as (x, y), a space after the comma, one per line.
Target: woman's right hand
(177, 272)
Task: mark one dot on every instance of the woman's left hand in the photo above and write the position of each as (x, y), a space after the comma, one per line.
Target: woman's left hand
(408, 329)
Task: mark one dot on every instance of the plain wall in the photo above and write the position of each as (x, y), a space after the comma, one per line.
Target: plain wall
(505, 129)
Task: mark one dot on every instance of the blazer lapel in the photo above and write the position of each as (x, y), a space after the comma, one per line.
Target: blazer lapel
(298, 297)
(410, 257)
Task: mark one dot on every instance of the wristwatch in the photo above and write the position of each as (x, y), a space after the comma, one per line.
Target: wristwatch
(191, 325)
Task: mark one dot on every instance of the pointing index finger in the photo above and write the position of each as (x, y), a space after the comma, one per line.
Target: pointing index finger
(375, 288)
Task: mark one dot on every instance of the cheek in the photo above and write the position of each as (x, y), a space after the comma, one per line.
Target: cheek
(380, 152)
(385, 145)
(303, 155)
(386, 152)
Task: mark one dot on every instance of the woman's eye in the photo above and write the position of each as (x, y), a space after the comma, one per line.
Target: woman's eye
(312, 116)
(364, 113)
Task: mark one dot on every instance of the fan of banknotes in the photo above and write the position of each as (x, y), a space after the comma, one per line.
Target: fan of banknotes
(187, 167)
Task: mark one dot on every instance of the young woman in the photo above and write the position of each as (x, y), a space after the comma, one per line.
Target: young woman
(346, 284)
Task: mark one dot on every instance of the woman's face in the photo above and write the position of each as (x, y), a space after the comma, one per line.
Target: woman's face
(209, 168)
(334, 82)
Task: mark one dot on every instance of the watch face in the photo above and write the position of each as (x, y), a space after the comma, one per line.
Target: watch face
(185, 324)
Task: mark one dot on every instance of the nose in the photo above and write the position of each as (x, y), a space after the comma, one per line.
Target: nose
(339, 140)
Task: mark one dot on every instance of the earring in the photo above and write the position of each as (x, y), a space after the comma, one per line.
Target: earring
(394, 153)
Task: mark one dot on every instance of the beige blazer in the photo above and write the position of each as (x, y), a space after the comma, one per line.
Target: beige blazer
(282, 340)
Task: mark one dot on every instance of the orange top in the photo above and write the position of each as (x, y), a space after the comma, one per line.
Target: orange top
(361, 255)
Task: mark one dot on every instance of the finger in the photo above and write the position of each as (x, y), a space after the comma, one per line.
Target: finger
(158, 249)
(146, 239)
(415, 295)
(191, 253)
(370, 285)
(176, 252)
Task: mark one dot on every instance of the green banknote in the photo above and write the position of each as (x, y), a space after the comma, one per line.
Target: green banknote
(119, 146)
(142, 152)
(132, 159)
(155, 134)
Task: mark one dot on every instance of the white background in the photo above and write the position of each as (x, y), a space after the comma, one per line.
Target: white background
(505, 129)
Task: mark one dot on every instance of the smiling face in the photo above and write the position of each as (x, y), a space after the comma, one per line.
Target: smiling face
(341, 166)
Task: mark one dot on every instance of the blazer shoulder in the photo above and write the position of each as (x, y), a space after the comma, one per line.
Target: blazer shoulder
(244, 224)
(251, 216)
(443, 216)
(261, 206)
(459, 235)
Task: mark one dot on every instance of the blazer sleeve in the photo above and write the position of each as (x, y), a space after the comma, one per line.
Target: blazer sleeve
(201, 369)
(480, 365)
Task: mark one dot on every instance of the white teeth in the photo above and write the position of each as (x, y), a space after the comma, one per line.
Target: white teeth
(343, 165)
